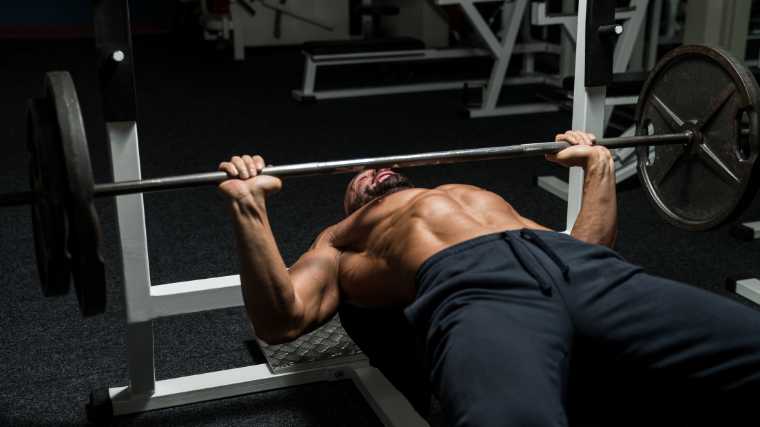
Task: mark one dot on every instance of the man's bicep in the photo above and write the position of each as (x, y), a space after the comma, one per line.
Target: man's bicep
(316, 286)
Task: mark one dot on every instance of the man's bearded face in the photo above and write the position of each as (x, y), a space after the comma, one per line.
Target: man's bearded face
(371, 184)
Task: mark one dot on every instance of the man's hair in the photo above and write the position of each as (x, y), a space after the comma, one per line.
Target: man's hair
(394, 183)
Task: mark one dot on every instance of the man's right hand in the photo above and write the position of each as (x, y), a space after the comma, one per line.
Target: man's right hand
(248, 183)
(582, 153)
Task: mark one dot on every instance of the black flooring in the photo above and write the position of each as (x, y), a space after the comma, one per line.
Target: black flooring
(198, 107)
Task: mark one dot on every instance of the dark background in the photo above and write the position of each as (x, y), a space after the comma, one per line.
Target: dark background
(77, 12)
(198, 107)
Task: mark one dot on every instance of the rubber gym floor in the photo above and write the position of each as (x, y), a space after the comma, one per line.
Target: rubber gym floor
(198, 107)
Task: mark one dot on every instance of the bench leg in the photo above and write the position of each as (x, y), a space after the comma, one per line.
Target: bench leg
(309, 76)
(390, 406)
(238, 41)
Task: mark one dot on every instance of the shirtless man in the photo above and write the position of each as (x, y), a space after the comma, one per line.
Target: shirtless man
(497, 302)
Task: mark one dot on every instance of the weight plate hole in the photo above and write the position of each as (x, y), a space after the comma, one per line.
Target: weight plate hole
(649, 130)
(742, 138)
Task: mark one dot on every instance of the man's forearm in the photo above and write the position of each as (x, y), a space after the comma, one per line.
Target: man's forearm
(268, 292)
(597, 220)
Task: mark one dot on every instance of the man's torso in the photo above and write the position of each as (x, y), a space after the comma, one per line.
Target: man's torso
(383, 244)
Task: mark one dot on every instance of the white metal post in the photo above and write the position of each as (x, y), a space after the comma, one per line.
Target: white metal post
(125, 164)
(238, 40)
(588, 114)
(309, 75)
(390, 406)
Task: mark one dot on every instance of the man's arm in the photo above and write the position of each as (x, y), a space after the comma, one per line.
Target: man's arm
(597, 220)
(282, 304)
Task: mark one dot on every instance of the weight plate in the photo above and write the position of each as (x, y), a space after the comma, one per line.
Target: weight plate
(87, 265)
(47, 178)
(710, 181)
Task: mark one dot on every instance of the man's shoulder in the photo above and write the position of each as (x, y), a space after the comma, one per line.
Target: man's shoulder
(326, 238)
(338, 236)
(458, 187)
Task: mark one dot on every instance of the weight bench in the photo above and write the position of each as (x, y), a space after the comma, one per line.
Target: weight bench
(512, 17)
(499, 45)
(365, 51)
(387, 343)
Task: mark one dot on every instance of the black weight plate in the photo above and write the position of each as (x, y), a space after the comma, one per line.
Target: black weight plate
(47, 178)
(87, 265)
(707, 183)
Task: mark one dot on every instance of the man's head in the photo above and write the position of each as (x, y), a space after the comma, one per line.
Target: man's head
(370, 184)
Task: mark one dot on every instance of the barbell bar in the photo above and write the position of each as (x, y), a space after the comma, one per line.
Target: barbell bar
(355, 165)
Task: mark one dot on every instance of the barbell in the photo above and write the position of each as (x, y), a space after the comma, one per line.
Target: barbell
(704, 173)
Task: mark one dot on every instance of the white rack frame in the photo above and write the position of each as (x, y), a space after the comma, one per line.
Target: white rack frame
(750, 288)
(588, 115)
(144, 304)
(633, 18)
(513, 13)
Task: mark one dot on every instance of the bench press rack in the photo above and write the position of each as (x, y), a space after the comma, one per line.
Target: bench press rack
(588, 116)
(145, 303)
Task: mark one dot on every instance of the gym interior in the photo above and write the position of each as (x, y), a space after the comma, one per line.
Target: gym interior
(300, 82)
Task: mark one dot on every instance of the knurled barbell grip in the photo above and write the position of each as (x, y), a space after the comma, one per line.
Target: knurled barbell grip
(18, 199)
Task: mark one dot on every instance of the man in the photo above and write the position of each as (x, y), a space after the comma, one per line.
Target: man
(498, 303)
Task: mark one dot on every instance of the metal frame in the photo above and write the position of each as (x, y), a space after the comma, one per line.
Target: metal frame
(634, 18)
(144, 304)
(753, 227)
(216, 25)
(502, 50)
(512, 17)
(750, 289)
(312, 62)
(588, 115)
(513, 12)
(589, 112)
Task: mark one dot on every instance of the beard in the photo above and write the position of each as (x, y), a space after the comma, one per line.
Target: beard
(394, 183)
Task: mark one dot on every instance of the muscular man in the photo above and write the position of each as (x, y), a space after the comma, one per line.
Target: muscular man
(498, 303)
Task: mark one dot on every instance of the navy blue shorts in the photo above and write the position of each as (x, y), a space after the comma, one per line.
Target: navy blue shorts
(497, 319)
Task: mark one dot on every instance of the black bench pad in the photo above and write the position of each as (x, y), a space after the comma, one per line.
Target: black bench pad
(336, 47)
(623, 84)
(377, 10)
(388, 340)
